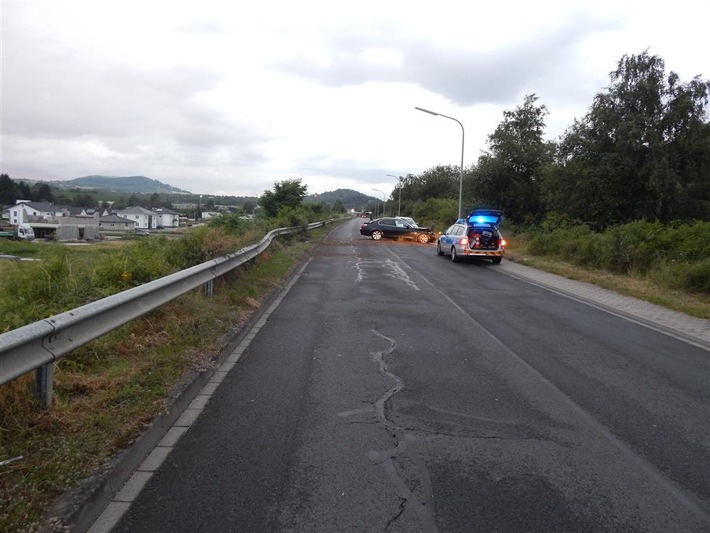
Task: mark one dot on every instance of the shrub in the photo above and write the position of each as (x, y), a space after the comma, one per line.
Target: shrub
(698, 277)
(673, 255)
(231, 223)
(561, 242)
(290, 217)
(435, 213)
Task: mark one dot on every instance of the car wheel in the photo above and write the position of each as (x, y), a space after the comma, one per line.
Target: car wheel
(376, 235)
(423, 238)
(454, 257)
(438, 249)
(497, 260)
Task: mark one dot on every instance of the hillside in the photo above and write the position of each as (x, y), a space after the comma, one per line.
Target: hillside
(128, 185)
(349, 198)
(112, 187)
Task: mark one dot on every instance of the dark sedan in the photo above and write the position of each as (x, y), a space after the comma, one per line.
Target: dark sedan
(396, 228)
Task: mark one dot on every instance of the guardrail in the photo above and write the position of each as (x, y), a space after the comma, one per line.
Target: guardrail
(38, 345)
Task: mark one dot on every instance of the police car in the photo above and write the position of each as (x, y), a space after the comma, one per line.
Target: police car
(477, 235)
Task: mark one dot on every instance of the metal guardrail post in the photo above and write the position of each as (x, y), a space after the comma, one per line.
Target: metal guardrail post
(208, 288)
(44, 384)
(37, 346)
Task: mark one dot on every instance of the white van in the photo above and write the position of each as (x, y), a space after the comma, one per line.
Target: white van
(25, 232)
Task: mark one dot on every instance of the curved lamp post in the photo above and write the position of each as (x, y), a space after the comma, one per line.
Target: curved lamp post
(399, 205)
(383, 200)
(462, 139)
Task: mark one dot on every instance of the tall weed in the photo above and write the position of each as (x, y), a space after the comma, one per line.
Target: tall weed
(64, 278)
(675, 255)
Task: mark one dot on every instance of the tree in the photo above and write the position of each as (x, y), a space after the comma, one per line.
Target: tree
(155, 200)
(441, 181)
(338, 207)
(287, 193)
(248, 207)
(24, 191)
(509, 175)
(42, 193)
(84, 200)
(62, 199)
(9, 191)
(641, 152)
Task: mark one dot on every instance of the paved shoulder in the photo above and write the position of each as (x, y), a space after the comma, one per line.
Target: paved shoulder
(689, 328)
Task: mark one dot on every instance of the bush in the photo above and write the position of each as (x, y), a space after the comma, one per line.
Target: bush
(561, 242)
(30, 291)
(291, 217)
(436, 213)
(697, 278)
(673, 255)
(65, 278)
(232, 224)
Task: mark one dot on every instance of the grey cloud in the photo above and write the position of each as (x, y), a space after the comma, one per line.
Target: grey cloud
(51, 92)
(205, 27)
(68, 100)
(536, 64)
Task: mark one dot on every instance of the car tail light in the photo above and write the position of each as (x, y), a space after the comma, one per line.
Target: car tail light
(463, 241)
(503, 242)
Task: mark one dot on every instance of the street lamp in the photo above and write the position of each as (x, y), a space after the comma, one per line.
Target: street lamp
(462, 138)
(383, 200)
(399, 205)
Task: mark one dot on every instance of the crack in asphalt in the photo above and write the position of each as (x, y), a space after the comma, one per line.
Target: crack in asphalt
(402, 507)
(379, 405)
(386, 458)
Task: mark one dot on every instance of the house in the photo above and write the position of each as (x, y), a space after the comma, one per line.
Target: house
(209, 214)
(116, 223)
(167, 218)
(25, 211)
(43, 214)
(144, 218)
(87, 212)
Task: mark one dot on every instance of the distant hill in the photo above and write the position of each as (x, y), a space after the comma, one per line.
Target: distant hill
(349, 198)
(129, 184)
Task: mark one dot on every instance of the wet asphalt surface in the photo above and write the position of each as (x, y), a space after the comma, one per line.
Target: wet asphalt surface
(393, 390)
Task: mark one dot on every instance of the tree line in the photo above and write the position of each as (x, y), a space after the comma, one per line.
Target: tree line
(11, 191)
(641, 152)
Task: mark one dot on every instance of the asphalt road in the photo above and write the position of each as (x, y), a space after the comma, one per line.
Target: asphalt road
(395, 391)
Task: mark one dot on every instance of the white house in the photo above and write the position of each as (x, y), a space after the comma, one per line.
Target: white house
(144, 218)
(116, 223)
(21, 212)
(167, 218)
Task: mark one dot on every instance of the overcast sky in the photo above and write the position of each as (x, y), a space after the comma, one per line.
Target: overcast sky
(229, 97)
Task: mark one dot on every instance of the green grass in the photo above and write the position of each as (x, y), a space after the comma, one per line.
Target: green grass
(651, 286)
